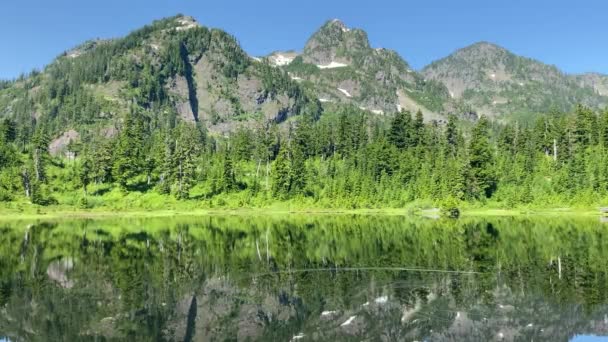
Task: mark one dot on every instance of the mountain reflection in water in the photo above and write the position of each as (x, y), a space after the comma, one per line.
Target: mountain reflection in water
(313, 278)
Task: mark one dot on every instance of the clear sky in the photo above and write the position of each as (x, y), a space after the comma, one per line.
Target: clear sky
(570, 34)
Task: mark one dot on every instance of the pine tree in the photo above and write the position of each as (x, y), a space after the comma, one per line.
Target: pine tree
(419, 129)
(39, 155)
(129, 156)
(228, 181)
(84, 174)
(481, 160)
(451, 135)
(298, 174)
(188, 142)
(399, 130)
(281, 174)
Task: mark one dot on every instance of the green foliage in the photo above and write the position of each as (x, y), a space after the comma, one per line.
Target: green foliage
(481, 156)
(135, 150)
(160, 267)
(281, 174)
(129, 155)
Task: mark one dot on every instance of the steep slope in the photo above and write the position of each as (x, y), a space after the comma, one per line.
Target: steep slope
(173, 68)
(497, 82)
(339, 64)
(596, 81)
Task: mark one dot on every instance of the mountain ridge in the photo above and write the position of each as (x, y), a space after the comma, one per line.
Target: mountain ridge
(203, 75)
(497, 82)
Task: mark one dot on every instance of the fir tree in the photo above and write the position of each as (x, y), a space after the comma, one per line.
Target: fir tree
(481, 160)
(281, 174)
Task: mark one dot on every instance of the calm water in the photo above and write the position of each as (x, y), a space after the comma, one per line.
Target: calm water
(317, 278)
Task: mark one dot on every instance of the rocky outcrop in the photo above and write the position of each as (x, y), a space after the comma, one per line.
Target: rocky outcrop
(58, 272)
(59, 145)
(183, 102)
(334, 42)
(596, 81)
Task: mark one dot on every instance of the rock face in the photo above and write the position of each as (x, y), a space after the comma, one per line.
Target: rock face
(342, 67)
(218, 312)
(596, 81)
(281, 58)
(224, 101)
(334, 42)
(183, 102)
(59, 145)
(496, 82)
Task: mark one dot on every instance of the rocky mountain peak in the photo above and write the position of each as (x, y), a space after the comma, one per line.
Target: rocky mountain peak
(185, 22)
(482, 51)
(497, 82)
(334, 42)
(339, 24)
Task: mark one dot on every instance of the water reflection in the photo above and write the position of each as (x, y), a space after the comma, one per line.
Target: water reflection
(309, 279)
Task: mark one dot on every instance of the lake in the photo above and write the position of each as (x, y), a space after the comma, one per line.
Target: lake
(304, 278)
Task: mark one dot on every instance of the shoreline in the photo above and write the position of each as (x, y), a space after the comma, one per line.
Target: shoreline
(35, 213)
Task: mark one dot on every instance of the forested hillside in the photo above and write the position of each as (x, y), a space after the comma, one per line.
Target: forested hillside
(176, 114)
(348, 159)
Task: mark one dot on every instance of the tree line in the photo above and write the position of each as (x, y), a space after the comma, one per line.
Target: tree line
(344, 159)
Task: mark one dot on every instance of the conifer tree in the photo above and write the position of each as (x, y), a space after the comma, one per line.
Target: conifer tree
(481, 160)
(129, 154)
(281, 174)
(227, 180)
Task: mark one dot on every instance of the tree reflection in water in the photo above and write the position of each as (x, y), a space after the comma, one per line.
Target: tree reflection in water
(304, 278)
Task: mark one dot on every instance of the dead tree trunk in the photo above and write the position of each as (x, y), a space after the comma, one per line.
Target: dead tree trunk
(554, 149)
(26, 183)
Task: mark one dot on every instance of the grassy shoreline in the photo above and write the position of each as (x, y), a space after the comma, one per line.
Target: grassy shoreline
(59, 212)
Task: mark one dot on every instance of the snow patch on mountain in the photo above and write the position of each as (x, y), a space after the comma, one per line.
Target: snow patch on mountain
(332, 65)
(381, 300)
(280, 60)
(345, 92)
(297, 337)
(375, 111)
(349, 321)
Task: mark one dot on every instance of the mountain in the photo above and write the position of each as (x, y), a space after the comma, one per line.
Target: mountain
(173, 68)
(339, 64)
(176, 69)
(496, 82)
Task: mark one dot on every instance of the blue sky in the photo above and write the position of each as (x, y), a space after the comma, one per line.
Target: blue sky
(570, 34)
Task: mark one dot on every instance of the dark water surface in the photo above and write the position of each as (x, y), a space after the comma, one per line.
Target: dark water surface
(296, 278)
